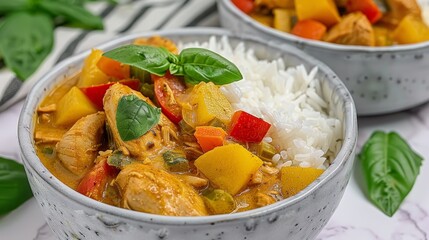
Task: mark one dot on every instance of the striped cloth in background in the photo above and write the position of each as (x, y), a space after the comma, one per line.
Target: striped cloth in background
(123, 18)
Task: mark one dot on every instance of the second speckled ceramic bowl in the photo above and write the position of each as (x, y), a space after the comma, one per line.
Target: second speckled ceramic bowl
(381, 80)
(74, 216)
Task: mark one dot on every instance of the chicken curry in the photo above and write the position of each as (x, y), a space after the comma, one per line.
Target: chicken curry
(155, 139)
(348, 22)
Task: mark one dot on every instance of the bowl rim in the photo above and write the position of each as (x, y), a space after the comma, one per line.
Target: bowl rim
(31, 160)
(231, 8)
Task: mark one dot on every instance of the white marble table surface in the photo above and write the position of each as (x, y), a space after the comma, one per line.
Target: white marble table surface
(355, 219)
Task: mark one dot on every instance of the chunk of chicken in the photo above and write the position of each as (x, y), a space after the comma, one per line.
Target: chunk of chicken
(147, 145)
(354, 29)
(398, 9)
(147, 189)
(78, 148)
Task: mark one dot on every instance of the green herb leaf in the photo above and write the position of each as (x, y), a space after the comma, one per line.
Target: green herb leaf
(195, 64)
(14, 187)
(72, 12)
(202, 65)
(8, 6)
(152, 59)
(134, 117)
(390, 167)
(25, 40)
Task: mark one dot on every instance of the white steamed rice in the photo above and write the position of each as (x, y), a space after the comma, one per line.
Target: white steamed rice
(287, 98)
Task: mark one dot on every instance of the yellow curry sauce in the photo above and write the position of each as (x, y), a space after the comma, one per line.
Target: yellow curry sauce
(178, 166)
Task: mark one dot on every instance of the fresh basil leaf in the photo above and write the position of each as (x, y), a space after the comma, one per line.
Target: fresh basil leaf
(135, 117)
(72, 12)
(202, 65)
(14, 187)
(9, 6)
(25, 40)
(390, 167)
(152, 59)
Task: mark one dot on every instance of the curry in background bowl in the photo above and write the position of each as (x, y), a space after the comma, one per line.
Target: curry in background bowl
(348, 22)
(181, 125)
(382, 79)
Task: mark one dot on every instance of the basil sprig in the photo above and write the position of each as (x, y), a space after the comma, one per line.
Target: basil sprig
(135, 117)
(14, 187)
(390, 168)
(195, 64)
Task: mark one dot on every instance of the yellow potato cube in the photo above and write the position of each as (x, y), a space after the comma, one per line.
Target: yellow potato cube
(91, 74)
(211, 103)
(283, 19)
(73, 106)
(411, 30)
(229, 167)
(294, 179)
(324, 11)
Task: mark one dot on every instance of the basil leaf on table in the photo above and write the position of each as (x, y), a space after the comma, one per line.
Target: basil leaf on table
(152, 59)
(195, 64)
(202, 65)
(14, 187)
(25, 40)
(390, 168)
(72, 12)
(7, 6)
(135, 117)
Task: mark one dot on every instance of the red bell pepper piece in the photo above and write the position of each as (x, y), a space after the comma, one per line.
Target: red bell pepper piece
(310, 29)
(94, 182)
(167, 89)
(248, 128)
(244, 5)
(367, 7)
(96, 93)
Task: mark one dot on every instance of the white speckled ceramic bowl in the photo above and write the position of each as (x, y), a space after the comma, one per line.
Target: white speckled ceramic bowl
(381, 80)
(74, 216)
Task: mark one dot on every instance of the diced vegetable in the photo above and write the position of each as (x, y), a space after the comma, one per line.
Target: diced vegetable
(113, 68)
(266, 151)
(119, 160)
(176, 161)
(218, 201)
(283, 19)
(411, 30)
(168, 89)
(93, 183)
(209, 137)
(227, 162)
(248, 128)
(323, 11)
(91, 74)
(206, 103)
(96, 93)
(244, 5)
(72, 106)
(310, 29)
(367, 7)
(294, 179)
(148, 90)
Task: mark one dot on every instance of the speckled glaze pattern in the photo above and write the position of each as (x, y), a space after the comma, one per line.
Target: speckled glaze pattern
(381, 80)
(72, 216)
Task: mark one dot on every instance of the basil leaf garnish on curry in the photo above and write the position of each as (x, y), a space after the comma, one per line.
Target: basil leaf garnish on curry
(134, 117)
(195, 64)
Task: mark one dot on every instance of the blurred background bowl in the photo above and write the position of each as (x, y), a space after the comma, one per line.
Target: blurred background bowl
(71, 215)
(380, 79)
